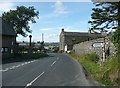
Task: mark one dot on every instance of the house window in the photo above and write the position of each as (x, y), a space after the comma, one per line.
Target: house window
(4, 49)
(11, 50)
(12, 43)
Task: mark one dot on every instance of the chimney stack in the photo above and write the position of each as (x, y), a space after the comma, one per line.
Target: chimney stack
(62, 29)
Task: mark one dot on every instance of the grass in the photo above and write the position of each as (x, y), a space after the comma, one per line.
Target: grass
(107, 73)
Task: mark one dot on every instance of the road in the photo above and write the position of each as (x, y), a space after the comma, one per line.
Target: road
(55, 70)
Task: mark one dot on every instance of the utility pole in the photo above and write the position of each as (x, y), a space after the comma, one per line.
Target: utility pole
(104, 45)
(104, 56)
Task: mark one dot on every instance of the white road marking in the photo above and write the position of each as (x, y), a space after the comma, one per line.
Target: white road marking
(32, 61)
(17, 66)
(25, 63)
(28, 62)
(22, 64)
(5, 70)
(29, 84)
(53, 63)
(10, 68)
(13, 67)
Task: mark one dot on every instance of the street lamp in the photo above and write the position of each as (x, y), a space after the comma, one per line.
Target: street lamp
(30, 36)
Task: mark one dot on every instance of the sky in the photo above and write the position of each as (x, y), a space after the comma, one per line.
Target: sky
(53, 16)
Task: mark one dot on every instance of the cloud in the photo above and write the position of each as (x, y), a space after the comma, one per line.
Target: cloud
(71, 29)
(75, 28)
(53, 35)
(45, 29)
(50, 28)
(6, 6)
(59, 8)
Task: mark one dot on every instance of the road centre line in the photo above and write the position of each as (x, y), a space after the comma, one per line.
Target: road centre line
(29, 84)
(53, 63)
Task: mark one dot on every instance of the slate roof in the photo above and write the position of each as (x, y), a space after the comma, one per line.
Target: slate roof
(6, 28)
(81, 34)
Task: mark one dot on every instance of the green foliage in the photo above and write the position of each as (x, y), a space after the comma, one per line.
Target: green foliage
(93, 57)
(105, 15)
(31, 56)
(106, 74)
(21, 49)
(20, 18)
(116, 39)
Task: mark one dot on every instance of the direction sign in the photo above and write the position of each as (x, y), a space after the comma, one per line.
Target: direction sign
(98, 44)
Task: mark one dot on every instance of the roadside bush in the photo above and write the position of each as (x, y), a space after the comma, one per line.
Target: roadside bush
(107, 73)
(93, 57)
(31, 55)
(111, 71)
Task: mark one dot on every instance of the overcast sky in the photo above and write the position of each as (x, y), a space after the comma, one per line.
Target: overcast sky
(53, 16)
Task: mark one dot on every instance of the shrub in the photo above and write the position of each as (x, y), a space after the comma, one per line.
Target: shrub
(93, 57)
(107, 73)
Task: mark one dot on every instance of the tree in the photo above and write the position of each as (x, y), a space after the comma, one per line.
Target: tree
(20, 19)
(106, 15)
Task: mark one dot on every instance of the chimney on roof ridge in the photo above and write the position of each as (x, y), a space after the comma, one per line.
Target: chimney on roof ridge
(62, 29)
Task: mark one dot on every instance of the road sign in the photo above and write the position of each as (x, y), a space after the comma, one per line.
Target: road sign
(98, 44)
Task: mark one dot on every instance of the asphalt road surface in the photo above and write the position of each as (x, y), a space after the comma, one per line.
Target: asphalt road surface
(55, 70)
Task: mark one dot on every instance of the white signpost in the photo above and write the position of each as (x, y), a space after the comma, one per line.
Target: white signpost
(98, 45)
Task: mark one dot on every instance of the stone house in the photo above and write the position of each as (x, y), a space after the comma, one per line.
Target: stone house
(67, 38)
(7, 38)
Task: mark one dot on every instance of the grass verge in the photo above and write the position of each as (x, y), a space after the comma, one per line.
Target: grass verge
(107, 73)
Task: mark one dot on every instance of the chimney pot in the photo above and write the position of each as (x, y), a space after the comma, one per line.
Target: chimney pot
(63, 30)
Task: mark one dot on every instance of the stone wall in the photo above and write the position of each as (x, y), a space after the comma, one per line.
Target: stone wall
(87, 47)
